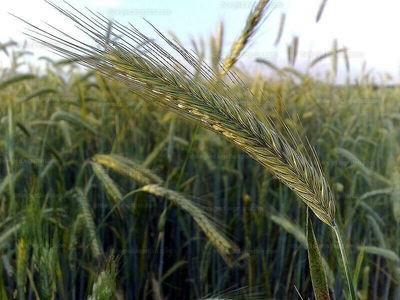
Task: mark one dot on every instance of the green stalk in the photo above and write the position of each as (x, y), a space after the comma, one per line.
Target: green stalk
(345, 260)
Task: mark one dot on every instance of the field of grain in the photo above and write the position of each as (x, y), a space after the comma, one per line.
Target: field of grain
(149, 181)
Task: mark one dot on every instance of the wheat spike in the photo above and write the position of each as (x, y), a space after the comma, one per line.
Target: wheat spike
(128, 168)
(320, 10)
(22, 261)
(46, 269)
(224, 246)
(140, 167)
(253, 21)
(76, 227)
(96, 248)
(149, 70)
(105, 285)
(108, 183)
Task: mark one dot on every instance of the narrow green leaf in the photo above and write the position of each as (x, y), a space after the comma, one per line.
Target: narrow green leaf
(291, 228)
(386, 253)
(269, 64)
(39, 92)
(171, 270)
(317, 271)
(376, 228)
(325, 55)
(16, 79)
(357, 163)
(73, 119)
(357, 269)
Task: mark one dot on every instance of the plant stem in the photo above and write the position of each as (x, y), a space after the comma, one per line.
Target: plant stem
(344, 259)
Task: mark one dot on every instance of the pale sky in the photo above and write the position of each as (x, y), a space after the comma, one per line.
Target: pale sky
(367, 28)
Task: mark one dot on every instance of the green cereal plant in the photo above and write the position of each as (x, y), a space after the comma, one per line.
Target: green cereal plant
(147, 69)
(153, 73)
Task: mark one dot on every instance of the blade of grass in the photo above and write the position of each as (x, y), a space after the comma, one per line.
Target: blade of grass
(317, 270)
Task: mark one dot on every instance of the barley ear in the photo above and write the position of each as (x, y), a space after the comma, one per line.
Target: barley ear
(45, 264)
(105, 286)
(127, 167)
(225, 247)
(109, 184)
(22, 262)
(90, 225)
(321, 9)
(254, 19)
(281, 27)
(150, 71)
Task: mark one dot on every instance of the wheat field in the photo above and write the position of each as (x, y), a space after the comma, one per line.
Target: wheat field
(146, 176)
